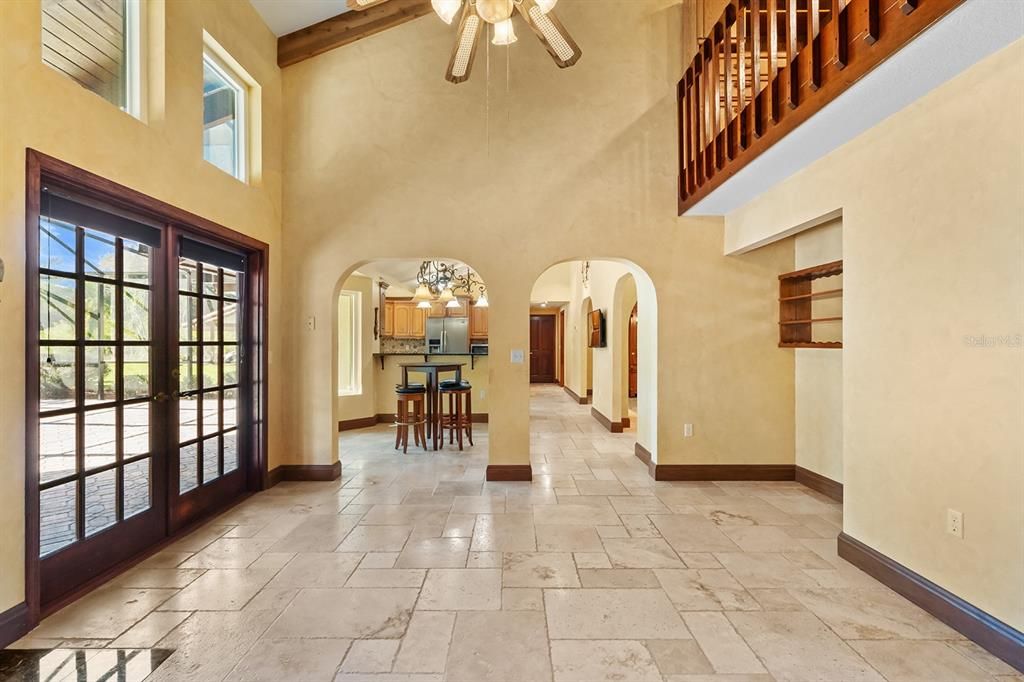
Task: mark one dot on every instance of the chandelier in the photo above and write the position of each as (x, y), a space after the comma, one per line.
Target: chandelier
(442, 282)
(539, 15)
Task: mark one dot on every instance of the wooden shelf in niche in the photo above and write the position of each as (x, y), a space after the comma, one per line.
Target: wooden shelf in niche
(796, 318)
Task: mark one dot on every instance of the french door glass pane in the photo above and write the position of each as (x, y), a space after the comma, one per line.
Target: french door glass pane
(137, 496)
(57, 447)
(211, 464)
(56, 377)
(230, 451)
(57, 517)
(94, 355)
(188, 418)
(188, 467)
(100, 501)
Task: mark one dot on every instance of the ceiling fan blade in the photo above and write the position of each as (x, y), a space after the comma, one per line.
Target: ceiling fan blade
(362, 4)
(562, 48)
(461, 63)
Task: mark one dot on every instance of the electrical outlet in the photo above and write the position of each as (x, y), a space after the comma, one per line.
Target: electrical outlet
(483, 394)
(687, 430)
(955, 523)
(311, 323)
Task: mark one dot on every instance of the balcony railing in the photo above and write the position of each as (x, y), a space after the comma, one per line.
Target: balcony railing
(769, 65)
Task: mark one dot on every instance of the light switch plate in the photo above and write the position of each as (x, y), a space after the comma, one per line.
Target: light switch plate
(517, 357)
(311, 323)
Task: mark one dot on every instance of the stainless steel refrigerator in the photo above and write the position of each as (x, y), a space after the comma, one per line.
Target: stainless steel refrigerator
(447, 335)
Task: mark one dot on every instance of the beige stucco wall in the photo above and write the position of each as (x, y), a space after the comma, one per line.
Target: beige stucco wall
(385, 159)
(162, 157)
(819, 371)
(933, 369)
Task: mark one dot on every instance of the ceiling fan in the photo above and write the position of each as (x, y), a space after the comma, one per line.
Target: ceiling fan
(539, 15)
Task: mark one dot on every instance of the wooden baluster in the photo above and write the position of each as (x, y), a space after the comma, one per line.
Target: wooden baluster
(684, 163)
(688, 102)
(742, 13)
(755, 119)
(698, 119)
(874, 22)
(813, 46)
(842, 33)
(730, 129)
(712, 88)
(772, 90)
(792, 25)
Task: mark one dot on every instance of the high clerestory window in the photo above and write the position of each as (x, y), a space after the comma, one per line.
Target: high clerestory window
(96, 43)
(224, 115)
(349, 340)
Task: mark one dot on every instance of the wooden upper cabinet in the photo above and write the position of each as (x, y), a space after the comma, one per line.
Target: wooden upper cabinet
(403, 320)
(419, 322)
(437, 309)
(478, 322)
(389, 319)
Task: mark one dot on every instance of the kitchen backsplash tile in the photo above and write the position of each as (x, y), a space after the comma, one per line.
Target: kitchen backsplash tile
(389, 344)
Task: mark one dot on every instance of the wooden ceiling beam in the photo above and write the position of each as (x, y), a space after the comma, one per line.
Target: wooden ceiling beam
(346, 28)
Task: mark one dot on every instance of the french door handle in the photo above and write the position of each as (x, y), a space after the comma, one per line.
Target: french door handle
(160, 397)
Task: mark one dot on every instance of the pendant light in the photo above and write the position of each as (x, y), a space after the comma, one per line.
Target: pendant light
(446, 295)
(482, 301)
(422, 295)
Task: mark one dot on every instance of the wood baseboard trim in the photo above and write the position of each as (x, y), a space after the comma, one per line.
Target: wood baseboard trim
(305, 472)
(572, 394)
(360, 423)
(644, 455)
(509, 472)
(723, 472)
(822, 484)
(625, 421)
(590, 393)
(994, 635)
(13, 624)
(614, 427)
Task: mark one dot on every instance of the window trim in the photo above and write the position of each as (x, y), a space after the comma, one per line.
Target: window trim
(355, 384)
(241, 88)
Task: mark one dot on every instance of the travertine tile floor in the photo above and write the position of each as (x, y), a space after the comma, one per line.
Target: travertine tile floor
(413, 568)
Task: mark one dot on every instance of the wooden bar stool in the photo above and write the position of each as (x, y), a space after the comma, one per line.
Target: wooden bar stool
(411, 395)
(459, 416)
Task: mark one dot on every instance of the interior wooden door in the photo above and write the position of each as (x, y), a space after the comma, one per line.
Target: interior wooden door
(211, 397)
(542, 349)
(98, 410)
(632, 353)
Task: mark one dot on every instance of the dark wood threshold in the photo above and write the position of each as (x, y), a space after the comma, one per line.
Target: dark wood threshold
(572, 394)
(305, 472)
(822, 484)
(614, 427)
(509, 472)
(991, 633)
(724, 472)
(13, 624)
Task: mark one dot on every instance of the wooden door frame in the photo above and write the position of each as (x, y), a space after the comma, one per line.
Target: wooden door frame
(40, 167)
(561, 347)
(547, 316)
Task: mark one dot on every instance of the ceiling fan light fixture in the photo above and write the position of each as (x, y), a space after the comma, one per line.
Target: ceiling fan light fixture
(494, 11)
(504, 33)
(446, 9)
(546, 6)
(362, 4)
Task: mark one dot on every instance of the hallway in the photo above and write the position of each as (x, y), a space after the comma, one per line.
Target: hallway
(414, 568)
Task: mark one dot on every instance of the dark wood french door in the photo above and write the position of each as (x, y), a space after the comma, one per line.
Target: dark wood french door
(146, 395)
(542, 349)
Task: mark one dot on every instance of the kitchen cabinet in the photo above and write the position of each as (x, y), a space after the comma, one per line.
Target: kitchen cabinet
(388, 328)
(419, 322)
(403, 320)
(437, 309)
(478, 322)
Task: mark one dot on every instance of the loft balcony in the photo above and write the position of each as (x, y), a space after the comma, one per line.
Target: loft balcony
(770, 65)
